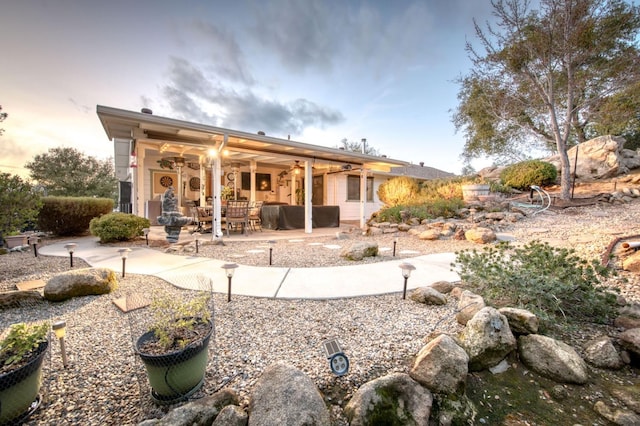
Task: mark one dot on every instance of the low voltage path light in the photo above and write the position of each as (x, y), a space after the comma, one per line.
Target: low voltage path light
(60, 329)
(338, 361)
(395, 242)
(33, 242)
(196, 238)
(406, 273)
(271, 243)
(146, 231)
(124, 253)
(229, 268)
(71, 247)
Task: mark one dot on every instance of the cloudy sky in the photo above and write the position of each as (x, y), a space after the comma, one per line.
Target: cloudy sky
(319, 71)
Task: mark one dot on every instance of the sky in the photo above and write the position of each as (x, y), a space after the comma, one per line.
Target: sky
(316, 71)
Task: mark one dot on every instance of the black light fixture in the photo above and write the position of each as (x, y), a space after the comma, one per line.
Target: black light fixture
(395, 242)
(229, 269)
(33, 241)
(71, 247)
(146, 231)
(338, 361)
(406, 273)
(196, 238)
(124, 253)
(271, 243)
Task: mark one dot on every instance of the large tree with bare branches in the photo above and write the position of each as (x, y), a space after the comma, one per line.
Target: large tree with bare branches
(549, 77)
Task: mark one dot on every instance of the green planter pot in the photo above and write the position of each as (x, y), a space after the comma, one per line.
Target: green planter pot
(177, 375)
(19, 389)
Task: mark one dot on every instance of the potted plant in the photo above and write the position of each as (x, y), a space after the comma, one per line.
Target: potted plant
(15, 239)
(21, 354)
(175, 349)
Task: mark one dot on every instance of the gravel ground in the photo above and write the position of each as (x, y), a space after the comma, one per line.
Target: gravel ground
(105, 383)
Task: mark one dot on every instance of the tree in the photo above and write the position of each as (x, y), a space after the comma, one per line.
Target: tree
(357, 147)
(547, 76)
(69, 172)
(3, 116)
(19, 204)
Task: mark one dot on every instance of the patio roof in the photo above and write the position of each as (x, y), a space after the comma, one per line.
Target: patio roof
(188, 138)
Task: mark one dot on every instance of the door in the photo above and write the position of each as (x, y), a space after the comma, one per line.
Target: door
(317, 186)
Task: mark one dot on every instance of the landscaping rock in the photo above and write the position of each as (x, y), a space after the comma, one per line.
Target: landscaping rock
(443, 287)
(393, 399)
(468, 305)
(14, 299)
(231, 415)
(441, 366)
(200, 412)
(601, 353)
(617, 416)
(630, 340)
(429, 235)
(521, 321)
(553, 359)
(284, 395)
(360, 250)
(80, 282)
(428, 295)
(487, 339)
(480, 235)
(632, 263)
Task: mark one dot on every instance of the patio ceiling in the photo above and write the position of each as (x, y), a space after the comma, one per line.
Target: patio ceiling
(177, 137)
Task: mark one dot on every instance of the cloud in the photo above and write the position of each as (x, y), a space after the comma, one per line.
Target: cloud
(190, 95)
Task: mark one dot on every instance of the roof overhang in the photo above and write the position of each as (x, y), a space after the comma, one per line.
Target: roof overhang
(185, 138)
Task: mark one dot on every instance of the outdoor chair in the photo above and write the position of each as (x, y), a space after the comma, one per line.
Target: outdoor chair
(255, 220)
(203, 220)
(237, 214)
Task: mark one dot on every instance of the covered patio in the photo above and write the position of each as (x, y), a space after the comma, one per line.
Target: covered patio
(205, 164)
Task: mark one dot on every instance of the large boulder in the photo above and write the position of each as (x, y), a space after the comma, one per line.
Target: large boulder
(284, 395)
(598, 158)
(480, 235)
(632, 263)
(553, 359)
(601, 353)
(359, 250)
(521, 321)
(80, 282)
(630, 340)
(441, 366)
(15, 299)
(428, 295)
(231, 415)
(487, 339)
(468, 305)
(200, 412)
(395, 399)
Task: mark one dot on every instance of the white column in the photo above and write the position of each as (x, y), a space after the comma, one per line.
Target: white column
(292, 197)
(202, 160)
(252, 168)
(137, 193)
(308, 185)
(363, 196)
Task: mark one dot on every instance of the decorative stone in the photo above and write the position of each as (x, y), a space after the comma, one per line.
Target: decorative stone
(286, 396)
(80, 282)
(428, 295)
(393, 399)
(630, 340)
(521, 321)
(429, 234)
(480, 235)
(468, 305)
(359, 250)
(601, 353)
(553, 359)
(441, 366)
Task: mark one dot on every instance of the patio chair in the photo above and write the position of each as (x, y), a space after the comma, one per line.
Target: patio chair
(255, 220)
(237, 214)
(203, 219)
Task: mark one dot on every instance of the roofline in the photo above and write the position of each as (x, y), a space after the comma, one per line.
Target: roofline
(105, 111)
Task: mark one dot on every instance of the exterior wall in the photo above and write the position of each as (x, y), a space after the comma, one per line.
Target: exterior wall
(350, 210)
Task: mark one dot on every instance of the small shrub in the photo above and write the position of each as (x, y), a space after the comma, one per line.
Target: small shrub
(174, 321)
(553, 283)
(526, 173)
(118, 227)
(399, 190)
(21, 341)
(426, 210)
(71, 215)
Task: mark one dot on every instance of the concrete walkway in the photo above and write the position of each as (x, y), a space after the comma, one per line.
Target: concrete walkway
(193, 272)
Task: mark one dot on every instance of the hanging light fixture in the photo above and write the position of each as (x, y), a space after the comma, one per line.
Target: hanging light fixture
(297, 167)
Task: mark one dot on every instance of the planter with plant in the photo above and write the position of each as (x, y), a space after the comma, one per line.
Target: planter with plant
(175, 349)
(22, 352)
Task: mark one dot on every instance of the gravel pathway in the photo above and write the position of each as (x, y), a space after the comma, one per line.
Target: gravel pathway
(105, 383)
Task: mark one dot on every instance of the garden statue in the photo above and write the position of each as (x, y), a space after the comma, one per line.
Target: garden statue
(171, 218)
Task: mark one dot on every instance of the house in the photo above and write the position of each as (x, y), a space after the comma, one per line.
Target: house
(199, 161)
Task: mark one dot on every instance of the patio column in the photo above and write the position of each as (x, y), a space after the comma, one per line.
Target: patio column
(252, 168)
(137, 178)
(202, 160)
(363, 196)
(308, 185)
(292, 196)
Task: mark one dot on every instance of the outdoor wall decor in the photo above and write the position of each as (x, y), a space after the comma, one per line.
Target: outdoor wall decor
(194, 184)
(161, 180)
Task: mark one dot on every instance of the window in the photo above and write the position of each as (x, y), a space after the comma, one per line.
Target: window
(263, 181)
(353, 188)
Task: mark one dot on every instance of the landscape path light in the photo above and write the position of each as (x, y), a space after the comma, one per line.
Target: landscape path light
(229, 268)
(60, 330)
(196, 237)
(146, 231)
(124, 253)
(271, 243)
(71, 247)
(33, 241)
(395, 242)
(406, 273)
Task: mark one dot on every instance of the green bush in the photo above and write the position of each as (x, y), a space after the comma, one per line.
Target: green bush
(118, 227)
(19, 204)
(399, 190)
(71, 215)
(554, 283)
(526, 173)
(426, 210)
